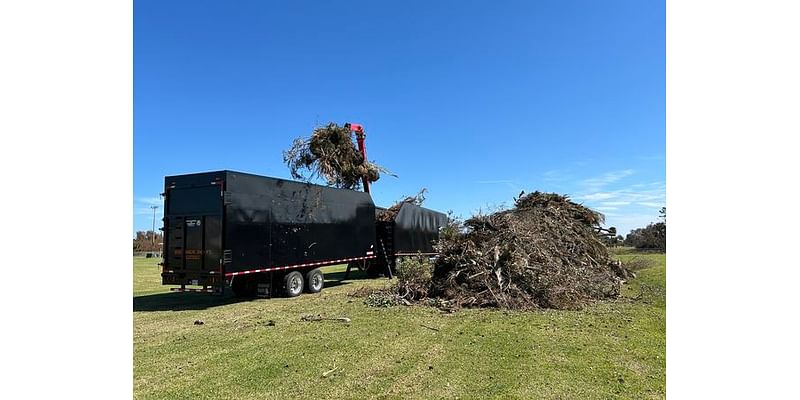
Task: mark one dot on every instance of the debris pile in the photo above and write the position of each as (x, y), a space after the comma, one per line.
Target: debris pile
(543, 252)
(331, 155)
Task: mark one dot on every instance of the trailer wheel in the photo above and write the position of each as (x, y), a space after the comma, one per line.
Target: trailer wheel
(314, 281)
(293, 284)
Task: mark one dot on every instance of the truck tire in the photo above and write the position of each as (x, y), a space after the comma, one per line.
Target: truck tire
(293, 284)
(314, 281)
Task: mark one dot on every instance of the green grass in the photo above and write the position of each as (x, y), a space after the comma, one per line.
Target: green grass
(611, 349)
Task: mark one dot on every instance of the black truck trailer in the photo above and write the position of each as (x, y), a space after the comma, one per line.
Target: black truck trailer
(265, 235)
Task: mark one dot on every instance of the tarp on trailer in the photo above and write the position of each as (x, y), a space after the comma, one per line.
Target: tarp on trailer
(416, 228)
(276, 222)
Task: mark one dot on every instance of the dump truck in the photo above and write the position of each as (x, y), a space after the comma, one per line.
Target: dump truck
(268, 236)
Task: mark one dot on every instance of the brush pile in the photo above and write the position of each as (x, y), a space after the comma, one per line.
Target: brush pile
(543, 252)
(331, 155)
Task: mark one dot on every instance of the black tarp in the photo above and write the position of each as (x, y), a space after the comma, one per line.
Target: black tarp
(416, 228)
(276, 222)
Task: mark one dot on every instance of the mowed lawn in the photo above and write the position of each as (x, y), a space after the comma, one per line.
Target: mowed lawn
(260, 349)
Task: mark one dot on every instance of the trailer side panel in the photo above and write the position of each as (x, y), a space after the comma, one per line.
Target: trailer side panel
(274, 222)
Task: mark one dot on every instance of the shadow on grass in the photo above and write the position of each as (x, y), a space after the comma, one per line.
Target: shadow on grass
(176, 301)
(333, 279)
(181, 301)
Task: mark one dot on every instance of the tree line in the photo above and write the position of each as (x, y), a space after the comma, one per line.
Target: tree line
(147, 241)
(651, 237)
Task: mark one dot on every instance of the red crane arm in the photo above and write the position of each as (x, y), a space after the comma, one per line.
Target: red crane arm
(362, 148)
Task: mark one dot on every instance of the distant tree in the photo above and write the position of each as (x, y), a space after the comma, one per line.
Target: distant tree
(653, 236)
(147, 241)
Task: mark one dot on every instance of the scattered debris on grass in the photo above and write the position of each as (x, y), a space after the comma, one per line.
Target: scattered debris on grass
(445, 306)
(429, 327)
(330, 371)
(362, 291)
(386, 297)
(199, 322)
(622, 271)
(382, 299)
(331, 155)
(391, 212)
(309, 317)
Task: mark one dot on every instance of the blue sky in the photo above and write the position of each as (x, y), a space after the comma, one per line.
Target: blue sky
(473, 100)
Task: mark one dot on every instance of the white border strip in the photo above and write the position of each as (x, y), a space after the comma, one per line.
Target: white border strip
(327, 262)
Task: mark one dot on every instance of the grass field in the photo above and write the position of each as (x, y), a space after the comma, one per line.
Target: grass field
(609, 350)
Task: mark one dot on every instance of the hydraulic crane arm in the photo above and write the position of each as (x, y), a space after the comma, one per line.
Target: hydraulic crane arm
(360, 136)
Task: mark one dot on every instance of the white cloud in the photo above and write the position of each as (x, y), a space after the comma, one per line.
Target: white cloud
(651, 204)
(606, 208)
(626, 207)
(141, 206)
(555, 175)
(146, 211)
(615, 203)
(608, 178)
(153, 201)
(639, 193)
(596, 196)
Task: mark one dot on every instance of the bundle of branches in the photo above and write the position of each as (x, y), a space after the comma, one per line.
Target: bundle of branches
(331, 155)
(391, 212)
(544, 252)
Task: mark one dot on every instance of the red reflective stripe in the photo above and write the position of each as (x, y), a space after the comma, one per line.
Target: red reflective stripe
(299, 265)
(191, 290)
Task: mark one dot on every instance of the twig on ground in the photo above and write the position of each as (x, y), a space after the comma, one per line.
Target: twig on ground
(309, 317)
(330, 371)
(429, 327)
